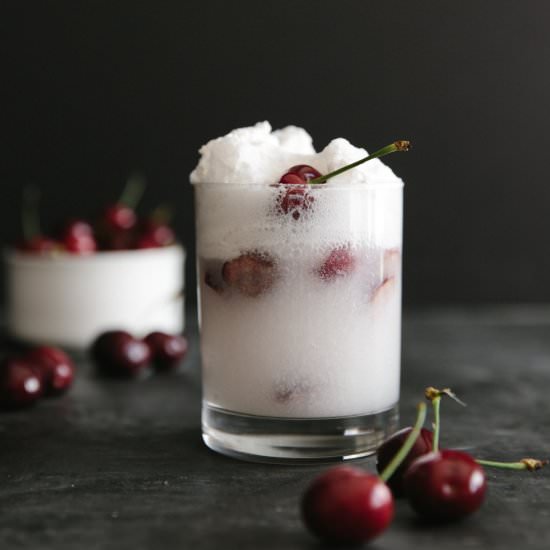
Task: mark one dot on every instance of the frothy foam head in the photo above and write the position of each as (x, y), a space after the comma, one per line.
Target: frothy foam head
(246, 214)
(256, 154)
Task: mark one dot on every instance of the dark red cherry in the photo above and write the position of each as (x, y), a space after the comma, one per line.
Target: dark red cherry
(347, 505)
(155, 235)
(339, 263)
(167, 350)
(55, 368)
(304, 172)
(117, 353)
(20, 386)
(39, 244)
(251, 274)
(390, 447)
(119, 217)
(445, 485)
(80, 245)
(295, 199)
(292, 179)
(77, 228)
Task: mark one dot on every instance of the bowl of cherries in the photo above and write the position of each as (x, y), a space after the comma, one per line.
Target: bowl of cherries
(119, 271)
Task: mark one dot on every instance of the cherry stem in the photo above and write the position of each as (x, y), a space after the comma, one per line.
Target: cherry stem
(401, 145)
(133, 191)
(396, 461)
(30, 221)
(436, 402)
(530, 464)
(434, 395)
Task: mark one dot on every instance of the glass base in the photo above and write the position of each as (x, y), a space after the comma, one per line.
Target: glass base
(295, 440)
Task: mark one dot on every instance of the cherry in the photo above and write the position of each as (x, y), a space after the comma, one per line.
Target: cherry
(78, 237)
(389, 448)
(167, 350)
(297, 197)
(119, 217)
(294, 199)
(155, 235)
(80, 245)
(39, 244)
(445, 485)
(119, 354)
(304, 172)
(77, 228)
(55, 368)
(20, 386)
(347, 505)
(291, 179)
(251, 274)
(339, 263)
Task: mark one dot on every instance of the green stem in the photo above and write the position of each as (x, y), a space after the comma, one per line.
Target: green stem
(133, 191)
(401, 145)
(30, 221)
(396, 461)
(436, 401)
(524, 464)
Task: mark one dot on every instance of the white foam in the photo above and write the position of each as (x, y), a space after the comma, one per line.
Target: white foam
(255, 154)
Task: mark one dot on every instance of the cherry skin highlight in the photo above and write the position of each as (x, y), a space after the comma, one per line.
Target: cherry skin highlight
(155, 235)
(20, 386)
(347, 505)
(78, 237)
(445, 485)
(390, 447)
(119, 217)
(117, 353)
(54, 367)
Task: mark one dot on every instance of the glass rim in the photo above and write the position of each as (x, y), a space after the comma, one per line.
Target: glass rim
(383, 183)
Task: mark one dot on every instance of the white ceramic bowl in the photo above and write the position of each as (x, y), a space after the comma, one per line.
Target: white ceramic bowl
(68, 300)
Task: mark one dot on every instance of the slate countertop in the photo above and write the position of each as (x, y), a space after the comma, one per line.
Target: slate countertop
(121, 464)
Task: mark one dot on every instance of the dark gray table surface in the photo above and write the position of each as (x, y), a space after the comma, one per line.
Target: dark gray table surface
(121, 464)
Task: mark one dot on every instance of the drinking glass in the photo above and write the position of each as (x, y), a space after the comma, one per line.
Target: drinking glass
(300, 318)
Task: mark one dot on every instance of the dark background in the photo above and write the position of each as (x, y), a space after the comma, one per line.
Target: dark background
(93, 90)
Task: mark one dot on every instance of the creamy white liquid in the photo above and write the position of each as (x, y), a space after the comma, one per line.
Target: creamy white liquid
(306, 347)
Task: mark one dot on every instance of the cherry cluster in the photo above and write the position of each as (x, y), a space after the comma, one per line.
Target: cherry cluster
(118, 354)
(41, 371)
(118, 227)
(349, 505)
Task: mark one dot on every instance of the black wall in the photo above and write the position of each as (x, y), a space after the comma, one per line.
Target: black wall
(92, 90)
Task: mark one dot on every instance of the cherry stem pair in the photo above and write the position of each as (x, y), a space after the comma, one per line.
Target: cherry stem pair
(434, 395)
(400, 145)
